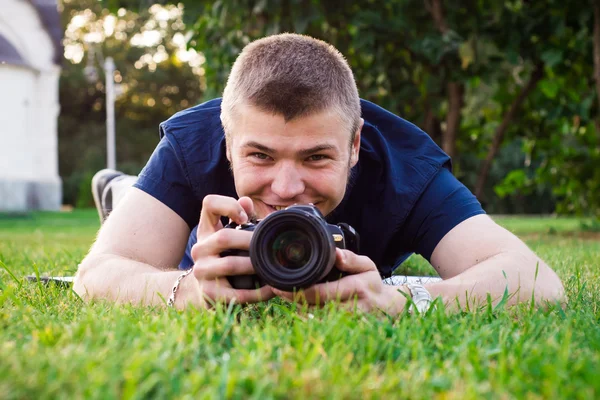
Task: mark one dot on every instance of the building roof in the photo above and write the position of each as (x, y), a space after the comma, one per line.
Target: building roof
(9, 54)
(48, 12)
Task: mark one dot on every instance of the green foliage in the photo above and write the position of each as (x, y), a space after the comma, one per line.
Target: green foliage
(591, 226)
(282, 350)
(154, 82)
(516, 179)
(84, 192)
(405, 54)
(403, 59)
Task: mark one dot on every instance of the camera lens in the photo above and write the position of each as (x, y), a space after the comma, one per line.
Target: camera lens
(291, 249)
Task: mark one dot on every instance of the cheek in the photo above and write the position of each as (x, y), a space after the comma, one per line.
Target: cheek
(248, 178)
(331, 182)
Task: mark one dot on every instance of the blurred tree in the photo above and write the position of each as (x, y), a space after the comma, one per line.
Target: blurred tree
(425, 61)
(157, 76)
(560, 121)
(505, 87)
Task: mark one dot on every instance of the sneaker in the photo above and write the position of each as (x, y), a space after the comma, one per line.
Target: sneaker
(102, 192)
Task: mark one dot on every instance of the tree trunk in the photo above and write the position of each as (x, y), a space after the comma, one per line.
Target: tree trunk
(597, 60)
(501, 130)
(454, 90)
(437, 12)
(455, 103)
(431, 125)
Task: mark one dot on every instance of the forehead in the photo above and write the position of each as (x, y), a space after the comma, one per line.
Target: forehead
(252, 124)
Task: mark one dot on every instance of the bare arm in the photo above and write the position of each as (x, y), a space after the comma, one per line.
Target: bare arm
(478, 257)
(475, 258)
(139, 246)
(136, 253)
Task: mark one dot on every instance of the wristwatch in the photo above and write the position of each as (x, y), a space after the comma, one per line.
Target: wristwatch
(421, 299)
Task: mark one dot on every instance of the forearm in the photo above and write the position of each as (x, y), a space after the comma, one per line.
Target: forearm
(522, 274)
(123, 280)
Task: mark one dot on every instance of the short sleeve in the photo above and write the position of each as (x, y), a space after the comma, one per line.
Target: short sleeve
(164, 177)
(445, 203)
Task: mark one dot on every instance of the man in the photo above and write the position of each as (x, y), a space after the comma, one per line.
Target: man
(291, 129)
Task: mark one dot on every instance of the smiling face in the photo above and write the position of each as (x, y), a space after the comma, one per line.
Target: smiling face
(278, 163)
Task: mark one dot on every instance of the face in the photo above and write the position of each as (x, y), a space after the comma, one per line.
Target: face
(278, 164)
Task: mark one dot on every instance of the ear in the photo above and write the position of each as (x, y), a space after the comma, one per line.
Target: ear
(356, 144)
(227, 141)
(227, 150)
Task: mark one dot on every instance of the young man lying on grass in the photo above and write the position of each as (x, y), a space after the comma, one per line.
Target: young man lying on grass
(291, 129)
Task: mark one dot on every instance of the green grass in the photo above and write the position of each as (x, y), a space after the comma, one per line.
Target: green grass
(52, 345)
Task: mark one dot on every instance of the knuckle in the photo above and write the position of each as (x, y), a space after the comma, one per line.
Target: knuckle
(209, 293)
(198, 249)
(222, 237)
(362, 261)
(353, 257)
(360, 289)
(199, 271)
(238, 265)
(225, 266)
(208, 201)
(241, 297)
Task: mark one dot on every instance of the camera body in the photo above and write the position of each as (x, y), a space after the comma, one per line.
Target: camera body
(293, 249)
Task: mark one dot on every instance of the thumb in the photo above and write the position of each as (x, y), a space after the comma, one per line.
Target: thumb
(352, 263)
(248, 206)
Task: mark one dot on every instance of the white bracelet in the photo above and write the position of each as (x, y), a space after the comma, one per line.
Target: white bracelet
(171, 301)
(421, 298)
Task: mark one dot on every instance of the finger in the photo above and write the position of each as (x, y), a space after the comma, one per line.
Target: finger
(340, 290)
(263, 293)
(248, 206)
(353, 305)
(221, 292)
(223, 267)
(297, 296)
(218, 242)
(213, 208)
(347, 261)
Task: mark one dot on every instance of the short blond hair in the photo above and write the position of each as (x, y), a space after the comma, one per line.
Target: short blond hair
(293, 76)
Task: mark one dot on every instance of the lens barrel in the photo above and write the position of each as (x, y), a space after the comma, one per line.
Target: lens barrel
(292, 249)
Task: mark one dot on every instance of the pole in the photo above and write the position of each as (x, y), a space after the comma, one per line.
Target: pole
(109, 71)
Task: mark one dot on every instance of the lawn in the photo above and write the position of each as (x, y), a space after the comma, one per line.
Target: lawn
(52, 345)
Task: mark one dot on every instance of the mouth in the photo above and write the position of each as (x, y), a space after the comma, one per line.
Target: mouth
(277, 208)
(273, 208)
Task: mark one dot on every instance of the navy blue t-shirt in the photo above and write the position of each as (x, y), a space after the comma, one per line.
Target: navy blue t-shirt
(402, 199)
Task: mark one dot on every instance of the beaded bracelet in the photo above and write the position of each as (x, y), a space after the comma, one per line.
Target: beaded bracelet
(171, 301)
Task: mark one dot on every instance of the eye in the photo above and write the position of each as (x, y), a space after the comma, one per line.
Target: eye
(317, 157)
(260, 156)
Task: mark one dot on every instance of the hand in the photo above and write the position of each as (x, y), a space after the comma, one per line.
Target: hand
(363, 288)
(210, 269)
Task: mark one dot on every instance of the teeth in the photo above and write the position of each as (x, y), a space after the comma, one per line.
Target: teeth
(279, 208)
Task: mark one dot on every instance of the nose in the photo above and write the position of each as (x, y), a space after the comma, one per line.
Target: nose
(287, 182)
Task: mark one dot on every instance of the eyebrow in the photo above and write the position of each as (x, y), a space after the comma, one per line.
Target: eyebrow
(303, 152)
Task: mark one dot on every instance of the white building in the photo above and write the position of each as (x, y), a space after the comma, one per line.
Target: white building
(30, 57)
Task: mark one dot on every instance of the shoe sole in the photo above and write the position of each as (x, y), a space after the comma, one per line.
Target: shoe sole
(96, 181)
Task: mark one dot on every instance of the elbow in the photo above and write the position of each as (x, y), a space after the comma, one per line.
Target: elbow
(548, 289)
(83, 284)
(79, 284)
(556, 291)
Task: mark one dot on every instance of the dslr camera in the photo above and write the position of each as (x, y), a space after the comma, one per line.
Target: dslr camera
(293, 249)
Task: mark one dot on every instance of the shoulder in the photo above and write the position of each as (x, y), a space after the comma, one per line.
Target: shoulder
(201, 119)
(197, 131)
(397, 161)
(395, 138)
